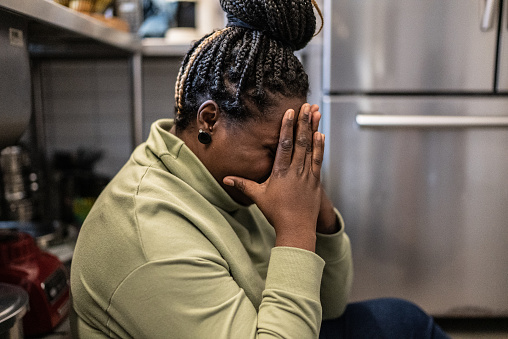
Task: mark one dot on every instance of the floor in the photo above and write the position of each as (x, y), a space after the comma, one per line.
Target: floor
(456, 328)
(490, 328)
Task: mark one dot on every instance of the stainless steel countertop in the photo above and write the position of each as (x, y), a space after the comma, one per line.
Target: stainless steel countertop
(158, 47)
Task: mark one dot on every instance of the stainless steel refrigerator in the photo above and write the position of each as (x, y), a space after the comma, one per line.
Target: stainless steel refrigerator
(416, 115)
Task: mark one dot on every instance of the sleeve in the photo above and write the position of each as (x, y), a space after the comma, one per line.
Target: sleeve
(195, 297)
(335, 250)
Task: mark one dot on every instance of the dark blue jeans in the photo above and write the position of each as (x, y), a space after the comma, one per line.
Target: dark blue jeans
(382, 318)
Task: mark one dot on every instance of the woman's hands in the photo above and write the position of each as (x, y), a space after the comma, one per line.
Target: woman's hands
(292, 196)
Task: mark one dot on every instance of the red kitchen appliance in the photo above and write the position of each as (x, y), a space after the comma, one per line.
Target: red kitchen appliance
(41, 274)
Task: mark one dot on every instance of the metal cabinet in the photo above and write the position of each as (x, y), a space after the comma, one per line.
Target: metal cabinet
(412, 45)
(421, 184)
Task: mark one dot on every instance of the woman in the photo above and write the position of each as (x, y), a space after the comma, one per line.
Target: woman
(217, 226)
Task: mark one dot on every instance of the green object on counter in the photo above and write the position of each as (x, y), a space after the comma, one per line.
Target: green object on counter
(81, 206)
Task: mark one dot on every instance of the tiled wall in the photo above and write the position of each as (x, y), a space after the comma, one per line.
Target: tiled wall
(87, 104)
(159, 76)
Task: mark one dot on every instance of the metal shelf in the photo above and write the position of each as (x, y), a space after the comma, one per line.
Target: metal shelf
(56, 29)
(158, 47)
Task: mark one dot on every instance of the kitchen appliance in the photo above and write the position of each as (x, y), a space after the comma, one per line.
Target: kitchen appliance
(13, 305)
(39, 273)
(415, 109)
(15, 86)
(19, 183)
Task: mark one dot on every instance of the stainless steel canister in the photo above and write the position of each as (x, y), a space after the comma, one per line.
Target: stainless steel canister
(13, 306)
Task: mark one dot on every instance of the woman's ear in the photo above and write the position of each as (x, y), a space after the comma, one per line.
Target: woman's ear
(208, 115)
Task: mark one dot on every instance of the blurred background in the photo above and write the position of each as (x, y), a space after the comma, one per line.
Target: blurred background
(414, 96)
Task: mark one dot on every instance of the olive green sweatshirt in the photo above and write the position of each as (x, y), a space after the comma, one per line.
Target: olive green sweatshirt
(166, 253)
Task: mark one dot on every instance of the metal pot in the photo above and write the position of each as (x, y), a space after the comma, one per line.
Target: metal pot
(13, 306)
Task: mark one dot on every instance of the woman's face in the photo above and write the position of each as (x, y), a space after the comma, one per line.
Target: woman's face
(248, 150)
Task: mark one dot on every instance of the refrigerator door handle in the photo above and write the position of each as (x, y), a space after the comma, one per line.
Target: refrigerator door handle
(430, 121)
(488, 15)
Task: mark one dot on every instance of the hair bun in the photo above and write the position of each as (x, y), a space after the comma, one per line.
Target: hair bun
(292, 22)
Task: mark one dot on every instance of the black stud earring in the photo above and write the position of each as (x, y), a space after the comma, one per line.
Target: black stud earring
(204, 137)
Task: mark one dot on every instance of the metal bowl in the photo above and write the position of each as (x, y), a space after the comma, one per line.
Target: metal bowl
(13, 306)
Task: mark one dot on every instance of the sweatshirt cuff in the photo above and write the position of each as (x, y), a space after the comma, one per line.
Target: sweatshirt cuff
(296, 271)
(332, 247)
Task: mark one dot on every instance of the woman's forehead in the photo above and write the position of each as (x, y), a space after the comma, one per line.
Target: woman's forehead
(268, 127)
(266, 123)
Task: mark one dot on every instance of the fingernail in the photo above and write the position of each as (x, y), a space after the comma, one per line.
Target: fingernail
(228, 182)
(308, 112)
(318, 136)
(291, 114)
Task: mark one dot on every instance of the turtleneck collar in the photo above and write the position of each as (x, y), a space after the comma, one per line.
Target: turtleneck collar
(184, 164)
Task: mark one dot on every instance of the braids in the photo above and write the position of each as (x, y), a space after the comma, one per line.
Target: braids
(184, 73)
(247, 63)
(290, 21)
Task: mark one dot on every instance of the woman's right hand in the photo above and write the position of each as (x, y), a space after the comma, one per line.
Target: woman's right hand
(290, 198)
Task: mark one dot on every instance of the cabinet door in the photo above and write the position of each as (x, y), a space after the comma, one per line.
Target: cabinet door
(503, 51)
(410, 45)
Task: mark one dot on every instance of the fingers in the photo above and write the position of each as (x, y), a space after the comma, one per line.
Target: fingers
(303, 138)
(317, 154)
(316, 117)
(284, 153)
(248, 187)
(319, 141)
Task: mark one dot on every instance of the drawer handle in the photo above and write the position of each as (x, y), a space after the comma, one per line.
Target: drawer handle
(430, 121)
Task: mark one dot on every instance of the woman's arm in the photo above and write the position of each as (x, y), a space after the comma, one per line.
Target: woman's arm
(192, 297)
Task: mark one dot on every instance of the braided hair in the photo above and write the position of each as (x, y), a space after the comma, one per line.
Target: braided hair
(248, 61)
